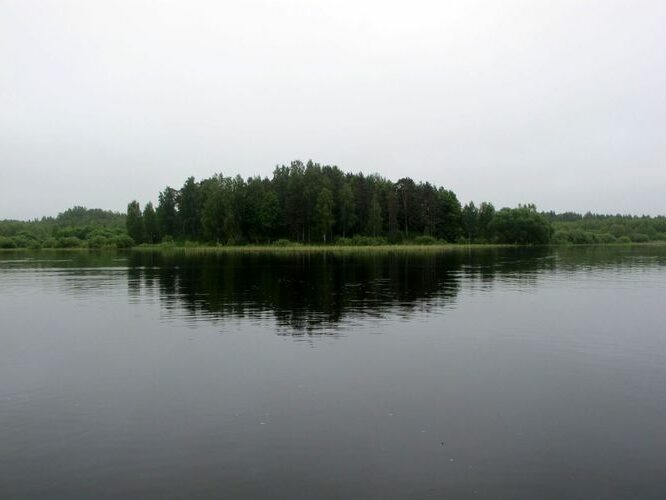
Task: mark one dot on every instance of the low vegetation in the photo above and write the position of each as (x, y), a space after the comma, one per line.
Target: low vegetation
(587, 229)
(77, 227)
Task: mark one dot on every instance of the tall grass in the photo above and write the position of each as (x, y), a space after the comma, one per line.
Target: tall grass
(300, 248)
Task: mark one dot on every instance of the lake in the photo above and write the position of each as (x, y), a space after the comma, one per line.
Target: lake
(486, 373)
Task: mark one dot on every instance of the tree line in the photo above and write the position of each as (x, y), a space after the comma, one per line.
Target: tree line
(589, 228)
(74, 228)
(311, 203)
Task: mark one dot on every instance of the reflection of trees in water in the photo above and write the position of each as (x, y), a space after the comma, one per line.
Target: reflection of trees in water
(302, 291)
(311, 291)
(573, 258)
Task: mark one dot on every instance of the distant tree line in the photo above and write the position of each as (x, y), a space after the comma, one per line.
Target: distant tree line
(311, 203)
(74, 228)
(590, 228)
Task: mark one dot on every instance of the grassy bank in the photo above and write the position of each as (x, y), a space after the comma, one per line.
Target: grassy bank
(295, 248)
(292, 248)
(402, 248)
(304, 248)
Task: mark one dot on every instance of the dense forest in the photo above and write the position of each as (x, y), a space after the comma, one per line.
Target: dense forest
(315, 204)
(310, 203)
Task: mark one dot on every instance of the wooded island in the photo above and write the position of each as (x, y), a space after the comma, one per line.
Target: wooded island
(314, 204)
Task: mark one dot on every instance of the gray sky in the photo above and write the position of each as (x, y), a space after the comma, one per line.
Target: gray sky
(560, 103)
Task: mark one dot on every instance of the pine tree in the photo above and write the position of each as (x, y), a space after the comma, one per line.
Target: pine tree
(470, 220)
(134, 221)
(150, 227)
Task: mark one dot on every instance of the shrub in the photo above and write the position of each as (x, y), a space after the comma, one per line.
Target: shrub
(606, 238)
(639, 238)
(345, 242)
(68, 242)
(50, 243)
(364, 241)
(22, 241)
(235, 242)
(123, 241)
(7, 242)
(283, 243)
(522, 225)
(580, 237)
(624, 239)
(97, 241)
(425, 240)
(561, 237)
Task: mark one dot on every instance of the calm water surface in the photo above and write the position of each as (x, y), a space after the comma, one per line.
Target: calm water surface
(485, 374)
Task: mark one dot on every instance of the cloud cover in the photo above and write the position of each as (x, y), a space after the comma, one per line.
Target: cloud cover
(557, 103)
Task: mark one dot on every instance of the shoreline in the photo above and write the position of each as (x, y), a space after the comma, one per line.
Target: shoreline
(296, 248)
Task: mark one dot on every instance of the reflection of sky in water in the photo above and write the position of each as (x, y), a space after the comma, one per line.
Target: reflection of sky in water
(514, 373)
(324, 295)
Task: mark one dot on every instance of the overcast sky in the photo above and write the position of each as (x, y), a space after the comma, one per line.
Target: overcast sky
(560, 103)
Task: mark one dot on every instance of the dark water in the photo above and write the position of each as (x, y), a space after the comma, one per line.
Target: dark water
(486, 374)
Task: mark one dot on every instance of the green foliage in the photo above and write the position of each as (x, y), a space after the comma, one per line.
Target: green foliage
(98, 241)
(222, 209)
(470, 220)
(69, 242)
(21, 241)
(639, 238)
(425, 240)
(310, 203)
(151, 232)
(484, 221)
(324, 212)
(580, 237)
(306, 203)
(269, 214)
(90, 217)
(449, 215)
(522, 225)
(166, 211)
(609, 228)
(190, 205)
(7, 242)
(374, 217)
(134, 221)
(606, 238)
(408, 211)
(363, 241)
(123, 241)
(347, 209)
(72, 228)
(284, 243)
